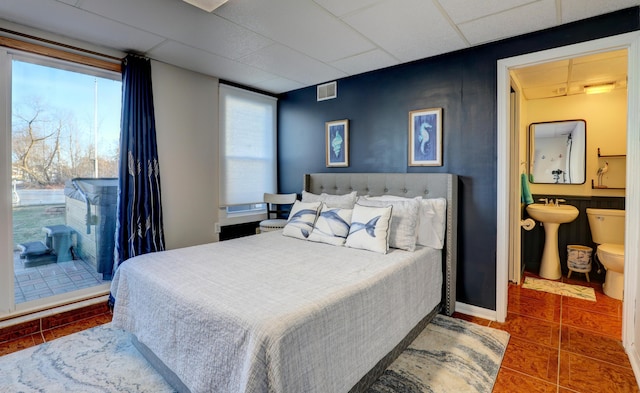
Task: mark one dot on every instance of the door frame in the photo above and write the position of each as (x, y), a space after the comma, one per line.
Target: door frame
(506, 184)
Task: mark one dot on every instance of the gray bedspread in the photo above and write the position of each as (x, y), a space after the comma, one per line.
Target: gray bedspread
(268, 313)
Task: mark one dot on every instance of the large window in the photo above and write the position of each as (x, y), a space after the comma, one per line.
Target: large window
(248, 149)
(64, 128)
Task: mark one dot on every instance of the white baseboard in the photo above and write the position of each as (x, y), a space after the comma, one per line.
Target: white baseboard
(476, 311)
(634, 359)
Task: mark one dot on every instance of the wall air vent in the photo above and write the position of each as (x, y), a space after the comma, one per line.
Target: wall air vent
(327, 91)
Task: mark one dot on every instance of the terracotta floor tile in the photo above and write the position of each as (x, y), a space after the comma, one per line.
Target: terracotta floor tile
(547, 309)
(532, 359)
(20, 343)
(584, 374)
(603, 304)
(603, 324)
(469, 318)
(593, 345)
(517, 290)
(510, 381)
(75, 327)
(532, 329)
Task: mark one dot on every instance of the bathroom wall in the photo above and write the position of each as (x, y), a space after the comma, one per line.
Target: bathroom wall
(606, 117)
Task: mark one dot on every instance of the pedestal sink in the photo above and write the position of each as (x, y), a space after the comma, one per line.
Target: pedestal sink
(551, 216)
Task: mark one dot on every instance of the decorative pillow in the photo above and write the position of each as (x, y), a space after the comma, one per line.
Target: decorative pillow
(404, 220)
(432, 221)
(301, 219)
(332, 226)
(345, 201)
(370, 228)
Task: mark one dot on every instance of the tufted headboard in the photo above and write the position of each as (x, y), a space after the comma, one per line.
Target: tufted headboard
(426, 185)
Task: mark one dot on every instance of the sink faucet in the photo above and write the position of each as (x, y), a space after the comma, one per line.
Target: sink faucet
(558, 200)
(545, 200)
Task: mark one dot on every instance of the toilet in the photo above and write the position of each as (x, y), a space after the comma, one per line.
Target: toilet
(607, 231)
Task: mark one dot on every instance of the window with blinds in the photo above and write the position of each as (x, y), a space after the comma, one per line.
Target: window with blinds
(247, 149)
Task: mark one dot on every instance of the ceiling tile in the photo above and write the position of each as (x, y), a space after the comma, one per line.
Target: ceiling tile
(536, 93)
(278, 85)
(542, 76)
(413, 31)
(534, 16)
(573, 10)
(86, 26)
(301, 25)
(341, 8)
(363, 62)
(197, 60)
(465, 10)
(604, 70)
(283, 61)
(184, 23)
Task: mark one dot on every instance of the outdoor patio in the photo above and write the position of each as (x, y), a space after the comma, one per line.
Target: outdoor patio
(51, 279)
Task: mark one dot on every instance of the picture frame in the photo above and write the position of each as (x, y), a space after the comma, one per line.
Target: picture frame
(425, 137)
(337, 143)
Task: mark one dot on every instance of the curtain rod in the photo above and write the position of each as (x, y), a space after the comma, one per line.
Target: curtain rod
(58, 44)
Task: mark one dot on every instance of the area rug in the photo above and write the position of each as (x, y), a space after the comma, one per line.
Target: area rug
(560, 288)
(450, 355)
(100, 359)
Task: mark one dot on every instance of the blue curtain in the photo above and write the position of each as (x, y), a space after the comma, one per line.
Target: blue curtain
(139, 212)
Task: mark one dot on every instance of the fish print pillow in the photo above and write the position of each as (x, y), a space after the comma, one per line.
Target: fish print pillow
(301, 219)
(332, 226)
(369, 228)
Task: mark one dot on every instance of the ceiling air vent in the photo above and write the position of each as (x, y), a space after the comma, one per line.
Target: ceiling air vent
(327, 91)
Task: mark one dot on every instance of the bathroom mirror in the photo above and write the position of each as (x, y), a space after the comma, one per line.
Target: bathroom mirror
(557, 152)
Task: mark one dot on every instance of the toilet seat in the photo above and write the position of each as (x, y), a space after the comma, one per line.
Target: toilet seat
(612, 256)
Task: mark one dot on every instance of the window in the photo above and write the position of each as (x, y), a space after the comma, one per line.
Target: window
(248, 149)
(63, 124)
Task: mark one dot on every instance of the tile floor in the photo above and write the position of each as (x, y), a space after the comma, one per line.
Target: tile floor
(557, 345)
(561, 344)
(51, 279)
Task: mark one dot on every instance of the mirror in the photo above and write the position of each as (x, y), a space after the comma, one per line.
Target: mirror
(557, 152)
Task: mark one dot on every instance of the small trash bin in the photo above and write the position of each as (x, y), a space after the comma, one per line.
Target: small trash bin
(579, 259)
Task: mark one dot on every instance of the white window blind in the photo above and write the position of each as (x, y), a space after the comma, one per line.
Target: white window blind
(248, 146)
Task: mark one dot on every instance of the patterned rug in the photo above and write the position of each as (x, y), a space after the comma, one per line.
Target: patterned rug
(449, 356)
(560, 288)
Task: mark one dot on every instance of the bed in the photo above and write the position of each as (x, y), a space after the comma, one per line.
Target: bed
(271, 313)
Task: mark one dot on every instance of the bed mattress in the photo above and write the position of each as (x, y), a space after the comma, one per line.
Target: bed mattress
(269, 313)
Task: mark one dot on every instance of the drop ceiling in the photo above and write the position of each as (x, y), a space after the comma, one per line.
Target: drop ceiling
(570, 76)
(283, 45)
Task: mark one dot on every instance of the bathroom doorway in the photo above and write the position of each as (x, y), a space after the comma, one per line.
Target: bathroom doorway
(509, 170)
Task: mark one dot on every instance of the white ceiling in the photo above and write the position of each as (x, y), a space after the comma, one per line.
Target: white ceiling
(282, 45)
(570, 76)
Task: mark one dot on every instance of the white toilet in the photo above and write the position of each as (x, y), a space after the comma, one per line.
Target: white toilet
(607, 231)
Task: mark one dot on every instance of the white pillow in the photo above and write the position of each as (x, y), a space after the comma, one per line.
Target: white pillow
(345, 201)
(332, 226)
(432, 221)
(404, 220)
(301, 219)
(370, 228)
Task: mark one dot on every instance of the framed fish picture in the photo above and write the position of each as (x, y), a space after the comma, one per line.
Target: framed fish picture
(425, 137)
(337, 143)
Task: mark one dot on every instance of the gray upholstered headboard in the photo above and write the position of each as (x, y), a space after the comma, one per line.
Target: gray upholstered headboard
(427, 185)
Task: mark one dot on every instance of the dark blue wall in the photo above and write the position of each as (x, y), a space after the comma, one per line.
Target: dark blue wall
(377, 105)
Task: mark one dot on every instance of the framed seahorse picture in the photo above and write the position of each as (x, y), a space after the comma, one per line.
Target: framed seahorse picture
(337, 143)
(425, 137)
